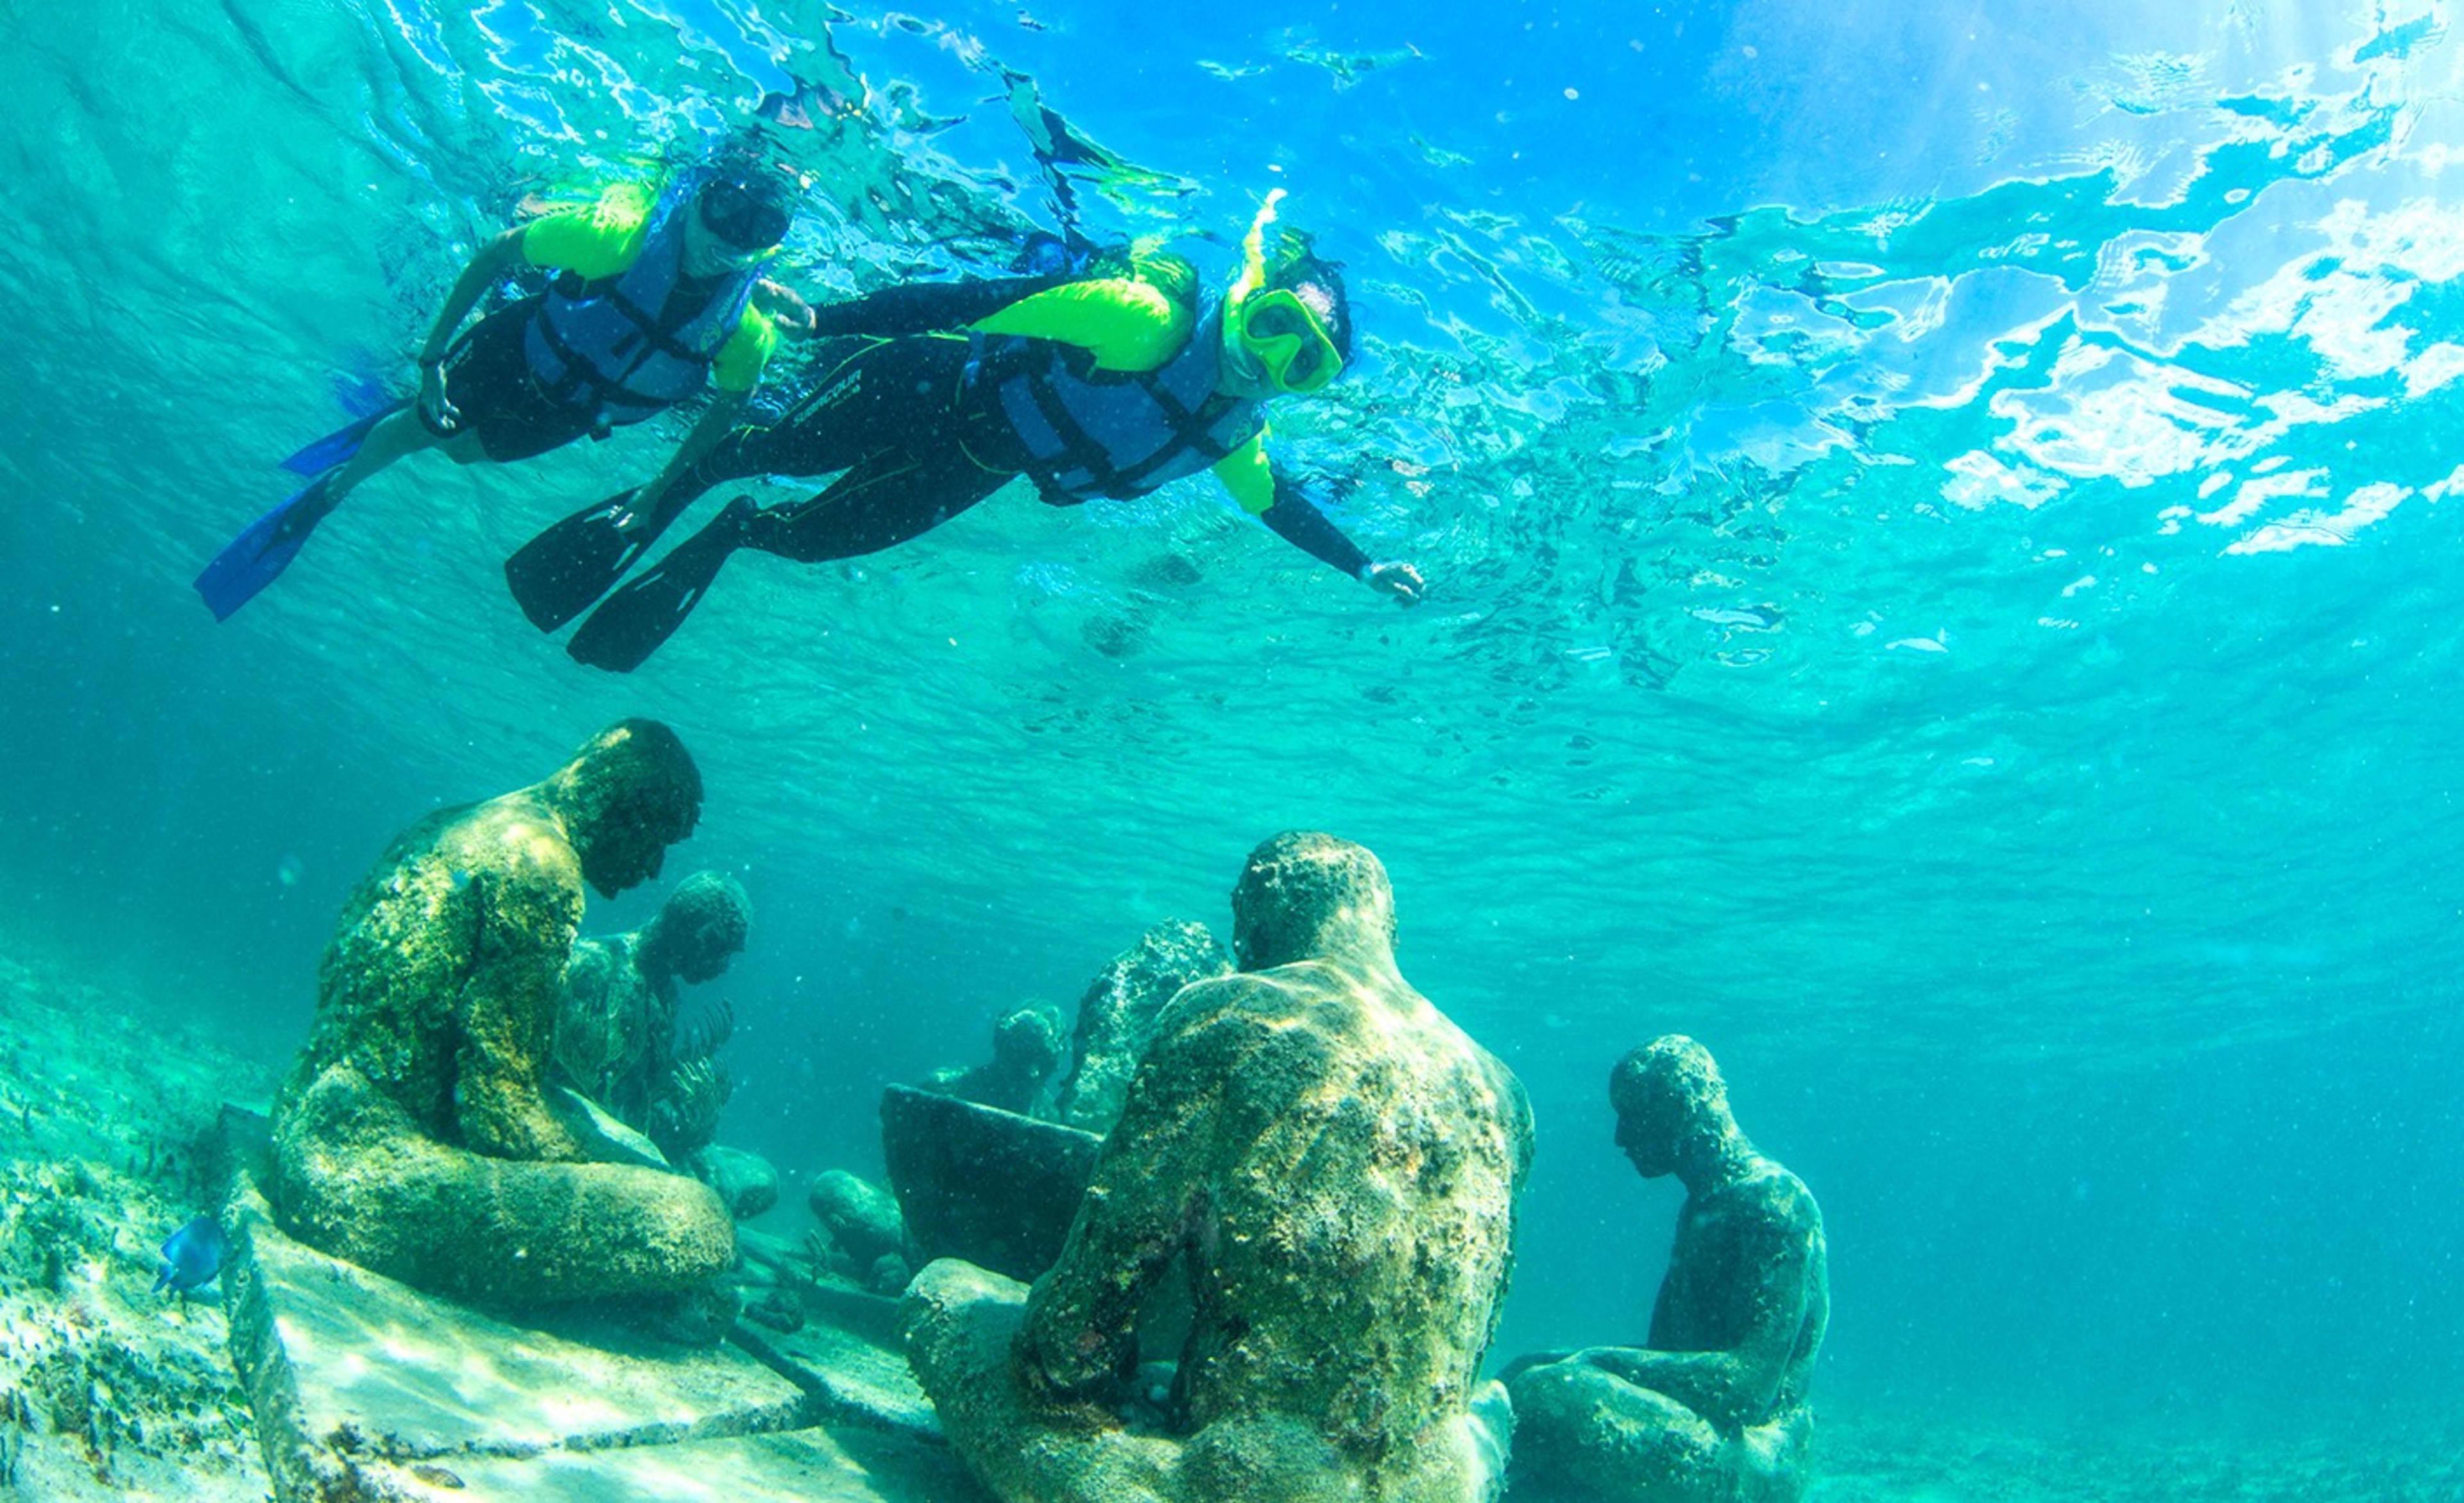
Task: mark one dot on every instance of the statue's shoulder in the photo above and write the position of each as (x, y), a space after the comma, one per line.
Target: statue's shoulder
(1235, 1010)
(512, 838)
(1778, 1196)
(1250, 1028)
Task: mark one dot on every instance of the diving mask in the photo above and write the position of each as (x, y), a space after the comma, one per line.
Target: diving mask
(1289, 340)
(750, 217)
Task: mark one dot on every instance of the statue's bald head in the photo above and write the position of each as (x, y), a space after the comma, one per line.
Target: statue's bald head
(629, 793)
(1306, 894)
(1667, 1093)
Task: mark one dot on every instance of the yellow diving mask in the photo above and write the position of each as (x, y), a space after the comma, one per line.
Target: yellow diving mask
(1282, 332)
(1290, 340)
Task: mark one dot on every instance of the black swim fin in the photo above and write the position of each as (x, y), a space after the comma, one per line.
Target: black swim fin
(557, 575)
(622, 634)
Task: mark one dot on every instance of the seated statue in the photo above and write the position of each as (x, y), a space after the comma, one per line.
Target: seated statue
(1715, 1405)
(416, 1135)
(1331, 1166)
(1026, 1049)
(616, 1036)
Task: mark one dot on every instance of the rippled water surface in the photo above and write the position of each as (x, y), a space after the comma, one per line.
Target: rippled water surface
(1941, 545)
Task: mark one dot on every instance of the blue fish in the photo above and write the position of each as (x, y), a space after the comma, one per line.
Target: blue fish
(193, 1256)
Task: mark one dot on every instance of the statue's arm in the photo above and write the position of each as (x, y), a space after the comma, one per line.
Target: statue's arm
(526, 917)
(1738, 1386)
(587, 1038)
(1148, 1194)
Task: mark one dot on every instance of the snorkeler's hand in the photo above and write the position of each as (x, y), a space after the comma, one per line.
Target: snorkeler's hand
(1397, 579)
(435, 410)
(789, 312)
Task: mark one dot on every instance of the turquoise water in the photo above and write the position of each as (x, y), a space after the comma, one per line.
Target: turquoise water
(1939, 524)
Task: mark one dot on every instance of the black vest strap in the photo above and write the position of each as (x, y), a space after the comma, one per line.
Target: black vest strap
(580, 376)
(1190, 429)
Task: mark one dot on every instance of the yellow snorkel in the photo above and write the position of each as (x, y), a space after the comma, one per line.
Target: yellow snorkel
(1253, 251)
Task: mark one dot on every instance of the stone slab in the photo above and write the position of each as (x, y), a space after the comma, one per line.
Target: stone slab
(978, 1183)
(850, 1361)
(811, 1465)
(364, 1388)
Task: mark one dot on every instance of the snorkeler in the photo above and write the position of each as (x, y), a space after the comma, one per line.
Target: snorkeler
(657, 291)
(1106, 384)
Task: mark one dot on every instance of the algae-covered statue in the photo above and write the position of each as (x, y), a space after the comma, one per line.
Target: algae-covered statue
(1715, 1406)
(417, 1134)
(1026, 1049)
(1117, 1015)
(1332, 1166)
(616, 1036)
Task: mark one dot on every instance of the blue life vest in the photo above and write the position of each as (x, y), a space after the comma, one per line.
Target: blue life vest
(604, 345)
(1092, 433)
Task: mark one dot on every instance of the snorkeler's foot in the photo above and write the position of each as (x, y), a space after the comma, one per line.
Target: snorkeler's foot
(257, 557)
(338, 447)
(622, 634)
(555, 575)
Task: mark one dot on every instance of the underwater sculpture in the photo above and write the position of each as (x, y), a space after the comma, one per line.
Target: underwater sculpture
(1117, 1016)
(982, 1180)
(1026, 1047)
(616, 1037)
(1715, 1406)
(416, 1135)
(863, 1239)
(1334, 1165)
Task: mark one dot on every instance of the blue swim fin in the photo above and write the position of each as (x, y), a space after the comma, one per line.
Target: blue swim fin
(342, 443)
(257, 557)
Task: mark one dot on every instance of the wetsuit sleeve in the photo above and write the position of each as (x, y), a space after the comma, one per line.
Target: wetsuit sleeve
(1126, 324)
(598, 241)
(927, 307)
(1296, 519)
(738, 365)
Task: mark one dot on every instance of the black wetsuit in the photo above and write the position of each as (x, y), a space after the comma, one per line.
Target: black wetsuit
(893, 402)
(912, 413)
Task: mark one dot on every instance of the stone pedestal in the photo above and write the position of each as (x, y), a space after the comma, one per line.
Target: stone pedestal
(975, 1181)
(367, 1388)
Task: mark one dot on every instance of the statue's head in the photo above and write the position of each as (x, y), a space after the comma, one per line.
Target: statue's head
(1027, 1042)
(1668, 1097)
(1305, 895)
(629, 793)
(702, 926)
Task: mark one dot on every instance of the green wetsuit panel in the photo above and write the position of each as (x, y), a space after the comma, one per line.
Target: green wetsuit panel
(1129, 326)
(1126, 324)
(1247, 474)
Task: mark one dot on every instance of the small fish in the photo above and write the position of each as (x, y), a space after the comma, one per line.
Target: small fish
(193, 1256)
